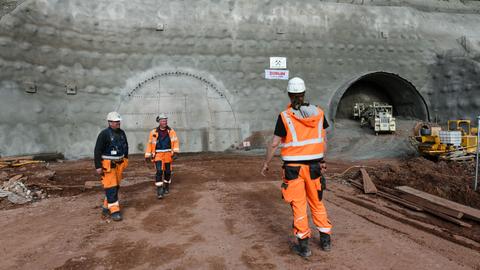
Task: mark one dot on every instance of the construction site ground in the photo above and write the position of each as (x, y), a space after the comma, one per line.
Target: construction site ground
(222, 214)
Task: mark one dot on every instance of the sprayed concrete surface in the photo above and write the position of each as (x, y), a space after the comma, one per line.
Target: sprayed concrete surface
(65, 64)
(221, 214)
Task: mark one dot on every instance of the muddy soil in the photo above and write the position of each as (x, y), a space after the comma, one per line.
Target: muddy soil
(221, 214)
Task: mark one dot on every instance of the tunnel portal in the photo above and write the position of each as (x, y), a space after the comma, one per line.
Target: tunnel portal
(382, 87)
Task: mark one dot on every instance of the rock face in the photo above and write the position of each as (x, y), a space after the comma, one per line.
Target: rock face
(66, 64)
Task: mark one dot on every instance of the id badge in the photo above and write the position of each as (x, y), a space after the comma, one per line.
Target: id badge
(113, 152)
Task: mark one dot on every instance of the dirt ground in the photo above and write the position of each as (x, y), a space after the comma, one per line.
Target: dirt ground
(222, 214)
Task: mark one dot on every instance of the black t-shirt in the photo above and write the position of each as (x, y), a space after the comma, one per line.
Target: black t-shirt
(281, 131)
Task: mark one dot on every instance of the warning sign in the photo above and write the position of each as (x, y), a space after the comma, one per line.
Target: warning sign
(275, 74)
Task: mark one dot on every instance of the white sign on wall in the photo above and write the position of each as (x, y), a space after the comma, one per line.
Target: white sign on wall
(278, 62)
(276, 74)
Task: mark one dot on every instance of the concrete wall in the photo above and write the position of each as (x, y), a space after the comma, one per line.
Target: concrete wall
(84, 58)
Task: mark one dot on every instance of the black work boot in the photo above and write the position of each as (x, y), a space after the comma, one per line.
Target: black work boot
(302, 248)
(105, 212)
(167, 188)
(116, 216)
(325, 242)
(160, 192)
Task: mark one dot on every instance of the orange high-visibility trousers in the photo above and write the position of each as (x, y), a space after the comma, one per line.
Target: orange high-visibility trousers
(163, 164)
(301, 185)
(111, 178)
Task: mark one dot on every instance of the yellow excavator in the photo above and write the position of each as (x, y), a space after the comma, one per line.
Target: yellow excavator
(458, 142)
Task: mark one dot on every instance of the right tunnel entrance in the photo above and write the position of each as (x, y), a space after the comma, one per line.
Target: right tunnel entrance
(386, 88)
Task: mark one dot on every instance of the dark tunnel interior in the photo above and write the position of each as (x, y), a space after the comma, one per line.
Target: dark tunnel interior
(386, 88)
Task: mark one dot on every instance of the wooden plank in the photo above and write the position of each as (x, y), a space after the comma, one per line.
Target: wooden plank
(427, 204)
(15, 178)
(7, 159)
(390, 197)
(469, 212)
(368, 186)
(399, 201)
(449, 218)
(23, 162)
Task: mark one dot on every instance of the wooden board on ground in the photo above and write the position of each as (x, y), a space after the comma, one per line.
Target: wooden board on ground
(449, 218)
(399, 200)
(368, 186)
(443, 205)
(390, 197)
(15, 178)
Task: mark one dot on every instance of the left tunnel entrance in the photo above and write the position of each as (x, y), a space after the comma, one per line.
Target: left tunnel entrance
(196, 109)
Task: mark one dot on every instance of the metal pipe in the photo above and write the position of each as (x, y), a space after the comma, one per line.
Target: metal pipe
(478, 150)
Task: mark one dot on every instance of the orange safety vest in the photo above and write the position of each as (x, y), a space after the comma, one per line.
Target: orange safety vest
(152, 142)
(305, 138)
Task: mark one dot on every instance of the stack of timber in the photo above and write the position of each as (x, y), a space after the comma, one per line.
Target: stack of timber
(441, 207)
(17, 161)
(421, 201)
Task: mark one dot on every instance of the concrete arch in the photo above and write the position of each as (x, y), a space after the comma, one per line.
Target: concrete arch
(380, 86)
(197, 108)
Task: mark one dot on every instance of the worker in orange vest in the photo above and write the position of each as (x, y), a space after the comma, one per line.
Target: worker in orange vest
(111, 159)
(300, 131)
(162, 149)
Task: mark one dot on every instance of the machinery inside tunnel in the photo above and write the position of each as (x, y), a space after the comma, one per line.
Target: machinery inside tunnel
(385, 88)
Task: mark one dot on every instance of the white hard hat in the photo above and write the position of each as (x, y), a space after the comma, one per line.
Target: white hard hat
(161, 116)
(296, 86)
(114, 116)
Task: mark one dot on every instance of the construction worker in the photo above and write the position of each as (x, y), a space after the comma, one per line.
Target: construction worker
(300, 131)
(162, 149)
(111, 159)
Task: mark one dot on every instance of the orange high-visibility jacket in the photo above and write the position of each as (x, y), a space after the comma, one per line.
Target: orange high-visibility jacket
(152, 141)
(305, 138)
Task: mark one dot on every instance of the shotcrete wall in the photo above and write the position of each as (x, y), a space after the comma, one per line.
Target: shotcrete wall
(65, 64)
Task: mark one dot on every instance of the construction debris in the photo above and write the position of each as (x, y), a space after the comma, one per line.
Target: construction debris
(18, 193)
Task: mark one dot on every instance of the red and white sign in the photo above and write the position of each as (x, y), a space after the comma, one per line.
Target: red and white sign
(276, 74)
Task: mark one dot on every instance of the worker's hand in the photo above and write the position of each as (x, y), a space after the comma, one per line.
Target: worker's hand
(99, 171)
(323, 167)
(147, 160)
(264, 169)
(174, 156)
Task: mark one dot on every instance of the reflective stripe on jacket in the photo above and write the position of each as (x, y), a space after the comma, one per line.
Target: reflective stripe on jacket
(152, 142)
(305, 138)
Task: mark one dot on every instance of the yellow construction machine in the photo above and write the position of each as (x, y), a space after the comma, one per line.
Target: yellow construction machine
(458, 142)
